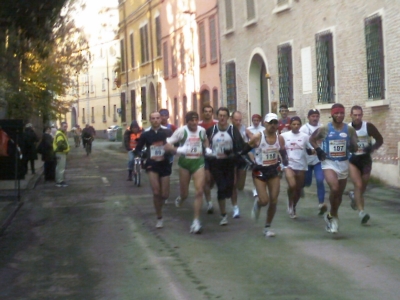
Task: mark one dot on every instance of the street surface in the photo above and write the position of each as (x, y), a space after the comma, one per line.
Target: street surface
(96, 239)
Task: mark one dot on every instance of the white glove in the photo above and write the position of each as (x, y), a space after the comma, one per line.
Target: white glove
(181, 150)
(208, 152)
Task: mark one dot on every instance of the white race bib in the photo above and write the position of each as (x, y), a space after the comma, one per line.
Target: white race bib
(157, 152)
(194, 147)
(269, 157)
(337, 148)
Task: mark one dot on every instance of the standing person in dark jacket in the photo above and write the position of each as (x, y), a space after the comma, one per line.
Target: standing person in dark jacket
(226, 142)
(29, 147)
(158, 166)
(131, 137)
(46, 147)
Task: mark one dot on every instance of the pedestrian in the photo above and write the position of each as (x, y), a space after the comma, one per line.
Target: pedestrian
(226, 143)
(191, 139)
(268, 145)
(295, 144)
(314, 165)
(207, 122)
(61, 149)
(284, 121)
(88, 135)
(241, 165)
(48, 157)
(361, 162)
(338, 141)
(29, 151)
(131, 137)
(164, 113)
(157, 166)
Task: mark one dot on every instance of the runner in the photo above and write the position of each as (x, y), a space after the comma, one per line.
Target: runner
(131, 137)
(191, 139)
(226, 142)
(157, 165)
(339, 140)
(241, 165)
(164, 113)
(314, 165)
(284, 122)
(267, 146)
(206, 123)
(295, 145)
(361, 162)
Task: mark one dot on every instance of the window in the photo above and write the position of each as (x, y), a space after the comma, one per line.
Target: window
(213, 40)
(144, 43)
(285, 75)
(122, 56)
(173, 60)
(325, 68)
(375, 57)
(184, 106)
(83, 116)
(231, 86)
(166, 63)
(182, 53)
(228, 15)
(202, 38)
(92, 114)
(132, 50)
(104, 114)
(123, 110)
(133, 104)
(143, 101)
(158, 35)
(115, 113)
(215, 98)
(251, 10)
(194, 102)
(176, 110)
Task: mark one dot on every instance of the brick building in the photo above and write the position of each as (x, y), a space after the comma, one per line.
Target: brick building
(310, 54)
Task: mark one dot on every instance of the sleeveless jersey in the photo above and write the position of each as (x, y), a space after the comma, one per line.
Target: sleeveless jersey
(193, 142)
(222, 141)
(266, 154)
(364, 140)
(336, 144)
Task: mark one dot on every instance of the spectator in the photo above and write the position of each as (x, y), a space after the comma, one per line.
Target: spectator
(29, 148)
(46, 149)
(61, 149)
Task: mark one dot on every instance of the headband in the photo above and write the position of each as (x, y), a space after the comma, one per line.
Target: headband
(337, 110)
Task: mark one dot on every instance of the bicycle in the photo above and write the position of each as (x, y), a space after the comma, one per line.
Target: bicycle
(138, 166)
(88, 145)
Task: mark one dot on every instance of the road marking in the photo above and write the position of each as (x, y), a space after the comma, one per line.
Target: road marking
(105, 181)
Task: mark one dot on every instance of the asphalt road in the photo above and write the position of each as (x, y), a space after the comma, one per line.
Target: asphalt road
(96, 239)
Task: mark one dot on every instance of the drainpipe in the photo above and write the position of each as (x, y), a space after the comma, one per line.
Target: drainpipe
(151, 40)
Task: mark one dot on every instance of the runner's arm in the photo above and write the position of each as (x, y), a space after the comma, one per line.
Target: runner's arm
(373, 131)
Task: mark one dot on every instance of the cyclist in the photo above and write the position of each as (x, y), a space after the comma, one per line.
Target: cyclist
(131, 136)
(191, 138)
(88, 134)
(157, 166)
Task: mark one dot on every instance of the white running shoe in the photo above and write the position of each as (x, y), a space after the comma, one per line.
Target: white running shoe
(334, 225)
(210, 208)
(255, 211)
(364, 217)
(160, 224)
(196, 227)
(328, 219)
(322, 209)
(178, 201)
(255, 194)
(224, 221)
(236, 214)
(268, 232)
(352, 201)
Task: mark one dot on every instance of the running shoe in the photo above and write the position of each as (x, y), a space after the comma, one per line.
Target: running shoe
(334, 225)
(178, 201)
(166, 201)
(196, 227)
(236, 214)
(224, 220)
(322, 209)
(268, 232)
(364, 217)
(61, 184)
(210, 208)
(352, 200)
(292, 213)
(160, 223)
(328, 220)
(255, 212)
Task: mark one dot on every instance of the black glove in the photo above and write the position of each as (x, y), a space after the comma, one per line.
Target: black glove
(228, 151)
(321, 154)
(309, 151)
(368, 149)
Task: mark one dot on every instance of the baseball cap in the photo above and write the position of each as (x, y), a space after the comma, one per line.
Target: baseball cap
(269, 117)
(313, 112)
(164, 112)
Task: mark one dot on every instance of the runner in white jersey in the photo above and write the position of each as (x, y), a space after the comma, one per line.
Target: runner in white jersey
(250, 131)
(191, 139)
(267, 146)
(360, 166)
(296, 144)
(314, 165)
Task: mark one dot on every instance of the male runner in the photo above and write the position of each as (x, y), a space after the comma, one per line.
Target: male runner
(284, 122)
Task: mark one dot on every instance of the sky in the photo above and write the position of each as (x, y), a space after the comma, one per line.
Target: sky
(90, 19)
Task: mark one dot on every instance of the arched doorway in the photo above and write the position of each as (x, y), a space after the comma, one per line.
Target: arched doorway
(258, 87)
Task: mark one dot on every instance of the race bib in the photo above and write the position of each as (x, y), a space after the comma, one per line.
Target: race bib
(363, 142)
(269, 157)
(194, 148)
(157, 152)
(337, 148)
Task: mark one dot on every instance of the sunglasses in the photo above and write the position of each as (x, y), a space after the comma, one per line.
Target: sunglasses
(273, 122)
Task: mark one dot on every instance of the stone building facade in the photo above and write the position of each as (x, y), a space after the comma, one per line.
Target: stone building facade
(310, 54)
